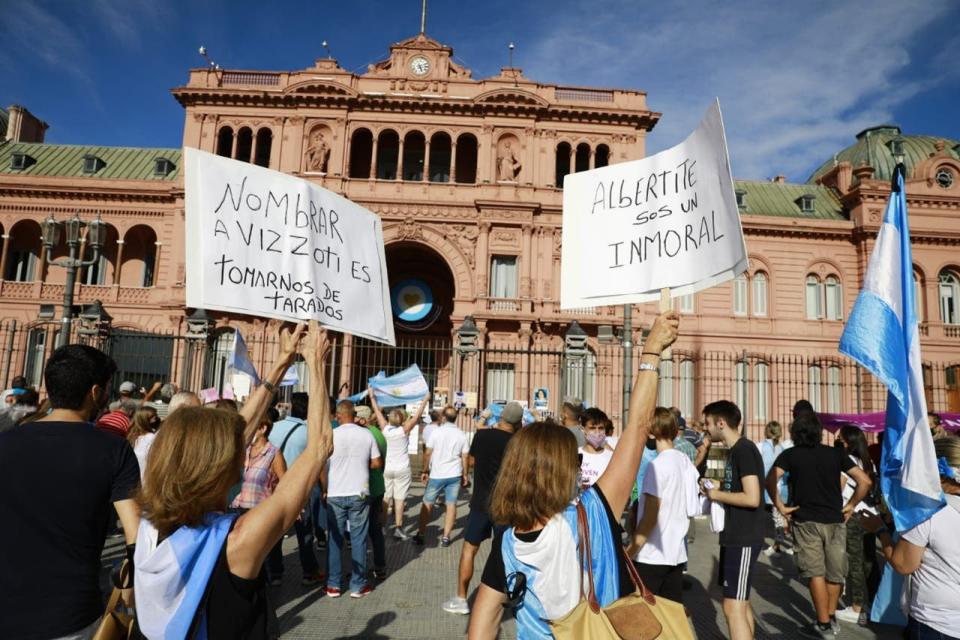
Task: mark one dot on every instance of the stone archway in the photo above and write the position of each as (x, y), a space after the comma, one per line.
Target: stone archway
(458, 262)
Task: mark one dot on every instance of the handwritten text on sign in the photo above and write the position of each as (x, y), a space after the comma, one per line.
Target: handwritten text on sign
(667, 221)
(267, 244)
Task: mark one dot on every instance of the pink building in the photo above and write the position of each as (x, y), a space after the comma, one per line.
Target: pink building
(467, 175)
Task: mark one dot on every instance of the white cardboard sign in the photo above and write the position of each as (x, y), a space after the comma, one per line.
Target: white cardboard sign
(264, 243)
(666, 221)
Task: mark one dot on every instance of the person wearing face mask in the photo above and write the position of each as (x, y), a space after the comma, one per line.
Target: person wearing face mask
(595, 451)
(74, 473)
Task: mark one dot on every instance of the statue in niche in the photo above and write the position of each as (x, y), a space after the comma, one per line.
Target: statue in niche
(508, 165)
(318, 153)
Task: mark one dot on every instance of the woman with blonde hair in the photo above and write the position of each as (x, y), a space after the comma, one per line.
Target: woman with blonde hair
(199, 569)
(534, 563)
(772, 446)
(142, 433)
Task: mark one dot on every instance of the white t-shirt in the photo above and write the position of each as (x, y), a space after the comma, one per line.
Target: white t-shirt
(349, 467)
(672, 478)
(935, 589)
(141, 448)
(593, 465)
(850, 486)
(447, 442)
(398, 457)
(427, 430)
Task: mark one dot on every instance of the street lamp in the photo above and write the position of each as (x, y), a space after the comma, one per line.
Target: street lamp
(199, 324)
(94, 320)
(52, 230)
(467, 337)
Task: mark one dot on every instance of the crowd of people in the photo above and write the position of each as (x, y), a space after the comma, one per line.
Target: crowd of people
(585, 525)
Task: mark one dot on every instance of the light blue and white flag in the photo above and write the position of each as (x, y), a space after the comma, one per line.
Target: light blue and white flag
(240, 358)
(291, 377)
(399, 389)
(170, 577)
(882, 335)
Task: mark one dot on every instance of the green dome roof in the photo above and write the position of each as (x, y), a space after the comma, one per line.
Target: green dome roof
(873, 148)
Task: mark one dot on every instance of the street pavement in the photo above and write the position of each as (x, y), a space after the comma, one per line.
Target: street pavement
(407, 605)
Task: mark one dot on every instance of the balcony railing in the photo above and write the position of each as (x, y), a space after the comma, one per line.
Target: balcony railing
(583, 95)
(259, 79)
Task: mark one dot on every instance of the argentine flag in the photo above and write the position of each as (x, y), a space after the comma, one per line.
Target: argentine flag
(882, 335)
(240, 358)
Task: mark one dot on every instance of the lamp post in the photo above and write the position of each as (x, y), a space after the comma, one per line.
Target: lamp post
(575, 352)
(95, 321)
(96, 232)
(467, 344)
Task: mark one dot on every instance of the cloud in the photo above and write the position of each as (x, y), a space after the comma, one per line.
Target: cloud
(36, 33)
(796, 80)
(126, 19)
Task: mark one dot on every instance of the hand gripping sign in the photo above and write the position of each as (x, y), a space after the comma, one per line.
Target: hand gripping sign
(669, 221)
(264, 243)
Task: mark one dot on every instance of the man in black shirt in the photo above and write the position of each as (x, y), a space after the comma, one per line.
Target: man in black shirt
(486, 454)
(818, 514)
(744, 518)
(58, 477)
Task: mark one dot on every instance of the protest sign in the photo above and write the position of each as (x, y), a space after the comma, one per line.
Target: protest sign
(669, 221)
(264, 243)
(541, 398)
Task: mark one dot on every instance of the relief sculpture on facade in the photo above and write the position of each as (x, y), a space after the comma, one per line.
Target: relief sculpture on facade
(318, 153)
(508, 165)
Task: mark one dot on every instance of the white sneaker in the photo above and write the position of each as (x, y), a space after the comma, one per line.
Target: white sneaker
(400, 534)
(787, 550)
(456, 605)
(848, 615)
(769, 551)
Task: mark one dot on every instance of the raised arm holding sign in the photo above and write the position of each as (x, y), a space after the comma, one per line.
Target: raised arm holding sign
(267, 244)
(669, 221)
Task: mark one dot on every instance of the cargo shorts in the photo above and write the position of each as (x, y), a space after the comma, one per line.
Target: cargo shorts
(821, 550)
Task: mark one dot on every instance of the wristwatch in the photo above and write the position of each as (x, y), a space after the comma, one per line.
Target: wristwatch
(272, 388)
(646, 366)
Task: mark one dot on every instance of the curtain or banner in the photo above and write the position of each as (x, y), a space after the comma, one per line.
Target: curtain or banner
(875, 422)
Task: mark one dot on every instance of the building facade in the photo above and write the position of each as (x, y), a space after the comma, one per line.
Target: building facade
(467, 175)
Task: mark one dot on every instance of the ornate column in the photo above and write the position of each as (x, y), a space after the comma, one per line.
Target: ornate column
(233, 145)
(373, 160)
(116, 267)
(483, 260)
(525, 261)
(453, 161)
(400, 160)
(156, 264)
(253, 148)
(3, 255)
(593, 157)
(573, 159)
(426, 160)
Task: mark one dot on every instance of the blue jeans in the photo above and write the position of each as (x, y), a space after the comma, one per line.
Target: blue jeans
(916, 630)
(317, 511)
(376, 533)
(340, 510)
(450, 487)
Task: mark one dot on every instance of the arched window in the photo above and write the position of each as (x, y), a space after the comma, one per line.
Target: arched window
(388, 153)
(687, 388)
(761, 391)
(101, 272)
(918, 306)
(563, 163)
(684, 303)
(361, 153)
(949, 297)
(833, 389)
(264, 142)
(833, 292)
(601, 156)
(440, 149)
(24, 253)
(814, 304)
(225, 142)
(414, 147)
(139, 257)
(665, 389)
(582, 162)
(466, 159)
(814, 386)
(244, 144)
(740, 295)
(760, 294)
(219, 348)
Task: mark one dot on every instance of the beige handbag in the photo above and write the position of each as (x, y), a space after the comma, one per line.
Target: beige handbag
(115, 625)
(637, 616)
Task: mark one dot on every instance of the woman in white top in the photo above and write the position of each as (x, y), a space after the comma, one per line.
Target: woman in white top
(861, 545)
(929, 553)
(396, 470)
(596, 453)
(668, 501)
(771, 447)
(142, 433)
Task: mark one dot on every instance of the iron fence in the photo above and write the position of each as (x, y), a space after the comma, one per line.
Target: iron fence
(764, 385)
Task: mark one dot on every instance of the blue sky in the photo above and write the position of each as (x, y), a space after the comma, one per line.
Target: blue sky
(797, 80)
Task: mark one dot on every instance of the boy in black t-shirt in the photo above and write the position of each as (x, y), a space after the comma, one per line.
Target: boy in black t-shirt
(818, 514)
(744, 517)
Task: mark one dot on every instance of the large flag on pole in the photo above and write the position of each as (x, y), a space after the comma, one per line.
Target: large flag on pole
(240, 358)
(882, 335)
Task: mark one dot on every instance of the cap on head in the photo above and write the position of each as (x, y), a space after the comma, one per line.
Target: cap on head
(512, 413)
(128, 387)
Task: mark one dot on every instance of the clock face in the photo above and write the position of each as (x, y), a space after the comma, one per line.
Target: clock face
(420, 66)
